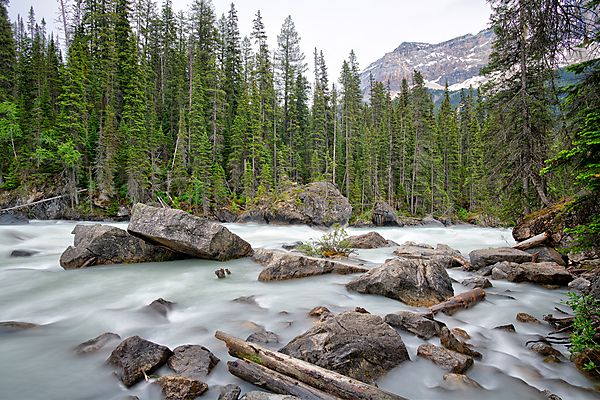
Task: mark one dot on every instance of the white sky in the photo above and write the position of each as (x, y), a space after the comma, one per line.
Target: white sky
(370, 28)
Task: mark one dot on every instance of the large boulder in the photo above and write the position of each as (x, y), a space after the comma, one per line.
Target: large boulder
(384, 215)
(361, 346)
(135, 357)
(484, 257)
(186, 234)
(543, 273)
(192, 361)
(415, 282)
(371, 240)
(566, 213)
(281, 265)
(108, 245)
(545, 253)
(316, 204)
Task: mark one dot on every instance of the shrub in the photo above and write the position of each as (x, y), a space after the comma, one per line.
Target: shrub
(331, 244)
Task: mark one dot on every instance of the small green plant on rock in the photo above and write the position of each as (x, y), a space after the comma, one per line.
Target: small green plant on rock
(334, 243)
(586, 319)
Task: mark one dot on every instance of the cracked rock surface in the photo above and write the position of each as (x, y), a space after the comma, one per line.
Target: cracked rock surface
(361, 346)
(107, 245)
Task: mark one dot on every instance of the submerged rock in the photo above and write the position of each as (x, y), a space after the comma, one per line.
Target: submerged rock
(186, 234)
(108, 245)
(371, 240)
(361, 346)
(135, 357)
(476, 282)
(161, 306)
(175, 387)
(315, 204)
(15, 326)
(192, 361)
(450, 342)
(415, 282)
(280, 265)
(459, 382)
(23, 253)
(97, 343)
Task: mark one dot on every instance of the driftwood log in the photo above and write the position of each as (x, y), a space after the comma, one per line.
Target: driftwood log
(274, 381)
(459, 302)
(532, 242)
(320, 378)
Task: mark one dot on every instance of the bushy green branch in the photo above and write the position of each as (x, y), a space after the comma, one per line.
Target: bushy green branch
(333, 243)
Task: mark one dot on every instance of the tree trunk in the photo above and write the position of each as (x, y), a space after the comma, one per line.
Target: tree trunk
(274, 381)
(532, 242)
(315, 376)
(460, 301)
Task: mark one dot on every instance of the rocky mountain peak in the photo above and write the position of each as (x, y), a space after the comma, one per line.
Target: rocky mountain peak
(457, 61)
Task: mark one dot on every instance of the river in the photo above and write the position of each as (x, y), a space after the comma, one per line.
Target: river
(76, 305)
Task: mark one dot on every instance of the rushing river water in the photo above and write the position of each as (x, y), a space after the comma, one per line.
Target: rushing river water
(77, 305)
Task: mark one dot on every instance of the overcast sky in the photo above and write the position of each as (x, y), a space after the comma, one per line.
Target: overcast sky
(370, 28)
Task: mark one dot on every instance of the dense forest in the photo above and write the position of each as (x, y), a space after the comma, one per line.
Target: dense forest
(142, 103)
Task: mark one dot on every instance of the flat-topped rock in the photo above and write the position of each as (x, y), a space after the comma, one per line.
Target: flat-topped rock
(186, 234)
(421, 325)
(484, 257)
(447, 359)
(281, 265)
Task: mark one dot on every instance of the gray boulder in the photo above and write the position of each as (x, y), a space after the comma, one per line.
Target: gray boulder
(430, 221)
(316, 204)
(361, 346)
(502, 269)
(109, 245)
(135, 356)
(477, 282)
(230, 392)
(421, 325)
(542, 273)
(459, 382)
(192, 361)
(371, 240)
(545, 253)
(580, 285)
(484, 257)
(447, 359)
(415, 282)
(281, 265)
(175, 387)
(384, 215)
(186, 234)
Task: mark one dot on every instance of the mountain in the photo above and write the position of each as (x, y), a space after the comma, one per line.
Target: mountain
(457, 61)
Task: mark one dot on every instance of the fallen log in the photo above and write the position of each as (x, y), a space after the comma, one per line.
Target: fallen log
(320, 378)
(460, 301)
(532, 242)
(274, 381)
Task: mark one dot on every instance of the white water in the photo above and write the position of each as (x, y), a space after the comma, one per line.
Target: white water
(78, 305)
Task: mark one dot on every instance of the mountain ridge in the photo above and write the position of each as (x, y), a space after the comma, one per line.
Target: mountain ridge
(456, 61)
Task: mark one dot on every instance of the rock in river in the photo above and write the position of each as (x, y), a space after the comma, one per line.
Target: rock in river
(175, 387)
(371, 240)
(315, 204)
(281, 265)
(186, 234)
(484, 257)
(415, 282)
(108, 245)
(421, 325)
(361, 346)
(447, 359)
(135, 357)
(192, 361)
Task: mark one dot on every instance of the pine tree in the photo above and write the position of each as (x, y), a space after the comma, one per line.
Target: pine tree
(8, 56)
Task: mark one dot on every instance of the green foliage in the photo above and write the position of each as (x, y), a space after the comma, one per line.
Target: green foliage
(333, 243)
(585, 309)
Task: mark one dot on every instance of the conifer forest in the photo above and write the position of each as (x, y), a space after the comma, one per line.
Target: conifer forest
(138, 102)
